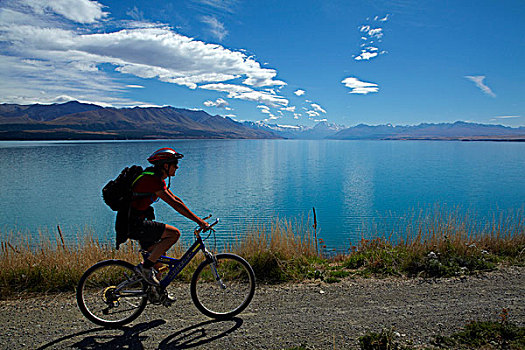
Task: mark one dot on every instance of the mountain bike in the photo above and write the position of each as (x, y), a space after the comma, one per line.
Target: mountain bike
(110, 293)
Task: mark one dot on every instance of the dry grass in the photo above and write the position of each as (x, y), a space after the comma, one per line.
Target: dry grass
(439, 242)
(48, 263)
(281, 251)
(433, 243)
(288, 239)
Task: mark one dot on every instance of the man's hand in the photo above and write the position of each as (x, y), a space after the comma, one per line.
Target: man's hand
(203, 224)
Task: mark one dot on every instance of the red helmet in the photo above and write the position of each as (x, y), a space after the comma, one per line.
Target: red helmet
(164, 155)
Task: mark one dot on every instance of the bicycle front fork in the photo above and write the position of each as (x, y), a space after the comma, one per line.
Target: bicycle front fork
(214, 263)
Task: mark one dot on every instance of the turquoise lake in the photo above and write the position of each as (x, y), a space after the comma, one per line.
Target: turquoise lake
(350, 183)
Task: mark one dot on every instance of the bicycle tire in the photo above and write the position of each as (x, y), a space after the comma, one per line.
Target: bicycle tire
(223, 303)
(96, 297)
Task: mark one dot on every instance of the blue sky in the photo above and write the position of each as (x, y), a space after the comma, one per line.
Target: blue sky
(285, 62)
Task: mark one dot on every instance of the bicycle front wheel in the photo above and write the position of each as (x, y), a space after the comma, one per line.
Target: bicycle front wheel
(111, 294)
(225, 289)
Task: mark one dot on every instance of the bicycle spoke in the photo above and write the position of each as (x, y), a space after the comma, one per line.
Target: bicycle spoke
(109, 293)
(230, 294)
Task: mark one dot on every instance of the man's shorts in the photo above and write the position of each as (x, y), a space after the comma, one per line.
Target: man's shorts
(146, 232)
(139, 226)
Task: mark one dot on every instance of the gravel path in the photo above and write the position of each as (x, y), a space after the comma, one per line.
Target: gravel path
(315, 315)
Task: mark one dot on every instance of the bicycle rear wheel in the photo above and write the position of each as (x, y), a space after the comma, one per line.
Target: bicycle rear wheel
(227, 297)
(110, 294)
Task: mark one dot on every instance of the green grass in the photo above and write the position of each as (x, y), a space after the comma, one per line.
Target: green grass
(436, 243)
(480, 335)
(486, 335)
(385, 340)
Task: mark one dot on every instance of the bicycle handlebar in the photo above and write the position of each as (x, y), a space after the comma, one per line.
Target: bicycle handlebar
(210, 227)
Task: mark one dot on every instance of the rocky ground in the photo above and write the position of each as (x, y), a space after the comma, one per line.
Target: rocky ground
(314, 315)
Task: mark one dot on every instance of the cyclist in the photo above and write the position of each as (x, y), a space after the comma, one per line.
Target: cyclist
(138, 221)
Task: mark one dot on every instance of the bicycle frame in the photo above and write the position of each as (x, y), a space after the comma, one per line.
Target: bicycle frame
(177, 265)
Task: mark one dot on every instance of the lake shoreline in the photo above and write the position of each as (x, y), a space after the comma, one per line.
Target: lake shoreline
(443, 245)
(106, 136)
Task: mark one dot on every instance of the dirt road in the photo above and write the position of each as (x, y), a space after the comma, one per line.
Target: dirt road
(315, 315)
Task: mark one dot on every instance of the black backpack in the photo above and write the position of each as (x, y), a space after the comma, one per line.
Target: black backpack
(117, 194)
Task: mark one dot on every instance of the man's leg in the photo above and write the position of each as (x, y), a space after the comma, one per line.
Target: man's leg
(169, 237)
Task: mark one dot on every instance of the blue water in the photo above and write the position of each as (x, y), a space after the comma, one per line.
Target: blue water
(349, 183)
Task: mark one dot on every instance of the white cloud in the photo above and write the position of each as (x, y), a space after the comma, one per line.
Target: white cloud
(219, 103)
(365, 55)
(232, 89)
(317, 108)
(478, 80)
(220, 5)
(136, 14)
(216, 27)
(81, 11)
(288, 109)
(296, 115)
(376, 33)
(370, 35)
(41, 81)
(313, 114)
(359, 87)
(41, 50)
(508, 116)
(364, 29)
(372, 32)
(84, 66)
(321, 120)
(135, 86)
(299, 92)
(266, 110)
(248, 94)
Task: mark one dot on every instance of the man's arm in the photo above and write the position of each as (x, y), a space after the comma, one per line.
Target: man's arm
(174, 196)
(177, 204)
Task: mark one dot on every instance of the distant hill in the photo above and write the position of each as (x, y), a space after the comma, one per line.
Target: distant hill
(443, 131)
(12, 113)
(75, 120)
(321, 130)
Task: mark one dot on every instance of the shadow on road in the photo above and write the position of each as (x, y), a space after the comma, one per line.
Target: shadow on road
(130, 337)
(200, 334)
(106, 338)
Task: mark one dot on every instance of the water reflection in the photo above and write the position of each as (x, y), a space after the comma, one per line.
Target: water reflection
(348, 182)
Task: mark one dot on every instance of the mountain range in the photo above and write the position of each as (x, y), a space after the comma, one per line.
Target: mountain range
(321, 130)
(425, 131)
(75, 120)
